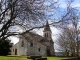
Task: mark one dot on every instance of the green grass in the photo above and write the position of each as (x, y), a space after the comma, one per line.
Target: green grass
(25, 58)
(13, 58)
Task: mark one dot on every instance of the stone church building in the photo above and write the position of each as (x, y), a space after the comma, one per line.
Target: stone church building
(34, 44)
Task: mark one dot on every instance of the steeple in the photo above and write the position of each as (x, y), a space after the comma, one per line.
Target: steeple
(47, 27)
(47, 31)
(48, 39)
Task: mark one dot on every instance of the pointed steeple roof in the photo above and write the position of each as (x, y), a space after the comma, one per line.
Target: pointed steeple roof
(47, 27)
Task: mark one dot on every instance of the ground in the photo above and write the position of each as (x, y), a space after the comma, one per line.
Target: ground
(25, 58)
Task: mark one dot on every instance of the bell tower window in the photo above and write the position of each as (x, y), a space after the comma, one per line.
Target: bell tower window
(46, 34)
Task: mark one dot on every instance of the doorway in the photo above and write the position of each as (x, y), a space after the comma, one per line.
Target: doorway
(48, 52)
(15, 51)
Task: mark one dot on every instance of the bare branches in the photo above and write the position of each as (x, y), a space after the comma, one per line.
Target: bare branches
(28, 14)
(26, 10)
(67, 42)
(70, 36)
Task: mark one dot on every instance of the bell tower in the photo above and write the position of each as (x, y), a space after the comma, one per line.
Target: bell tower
(48, 39)
(47, 32)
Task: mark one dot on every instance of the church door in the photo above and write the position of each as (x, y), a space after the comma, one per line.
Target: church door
(48, 52)
(15, 51)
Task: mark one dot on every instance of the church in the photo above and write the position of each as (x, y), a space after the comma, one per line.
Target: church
(34, 44)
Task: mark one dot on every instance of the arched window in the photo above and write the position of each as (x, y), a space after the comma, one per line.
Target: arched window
(22, 44)
(46, 34)
(31, 44)
(39, 49)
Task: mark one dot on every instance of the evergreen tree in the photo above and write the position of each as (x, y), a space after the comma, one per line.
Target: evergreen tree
(5, 46)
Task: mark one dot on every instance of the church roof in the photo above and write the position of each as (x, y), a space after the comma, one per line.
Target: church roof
(30, 36)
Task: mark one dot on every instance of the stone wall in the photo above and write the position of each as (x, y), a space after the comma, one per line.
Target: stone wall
(36, 49)
(13, 49)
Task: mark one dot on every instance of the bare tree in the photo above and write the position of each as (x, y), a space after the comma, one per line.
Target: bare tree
(28, 14)
(70, 17)
(67, 42)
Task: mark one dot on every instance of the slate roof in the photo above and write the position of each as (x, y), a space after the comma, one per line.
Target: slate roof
(32, 36)
(37, 38)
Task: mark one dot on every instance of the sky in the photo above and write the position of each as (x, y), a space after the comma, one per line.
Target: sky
(75, 3)
(62, 4)
(55, 31)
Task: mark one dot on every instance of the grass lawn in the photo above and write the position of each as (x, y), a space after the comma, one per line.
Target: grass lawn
(13, 58)
(24, 58)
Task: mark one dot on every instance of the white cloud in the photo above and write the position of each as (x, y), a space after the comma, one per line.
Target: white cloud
(14, 39)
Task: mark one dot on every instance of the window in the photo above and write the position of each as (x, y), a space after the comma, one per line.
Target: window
(31, 44)
(46, 34)
(39, 49)
(13, 50)
(22, 44)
